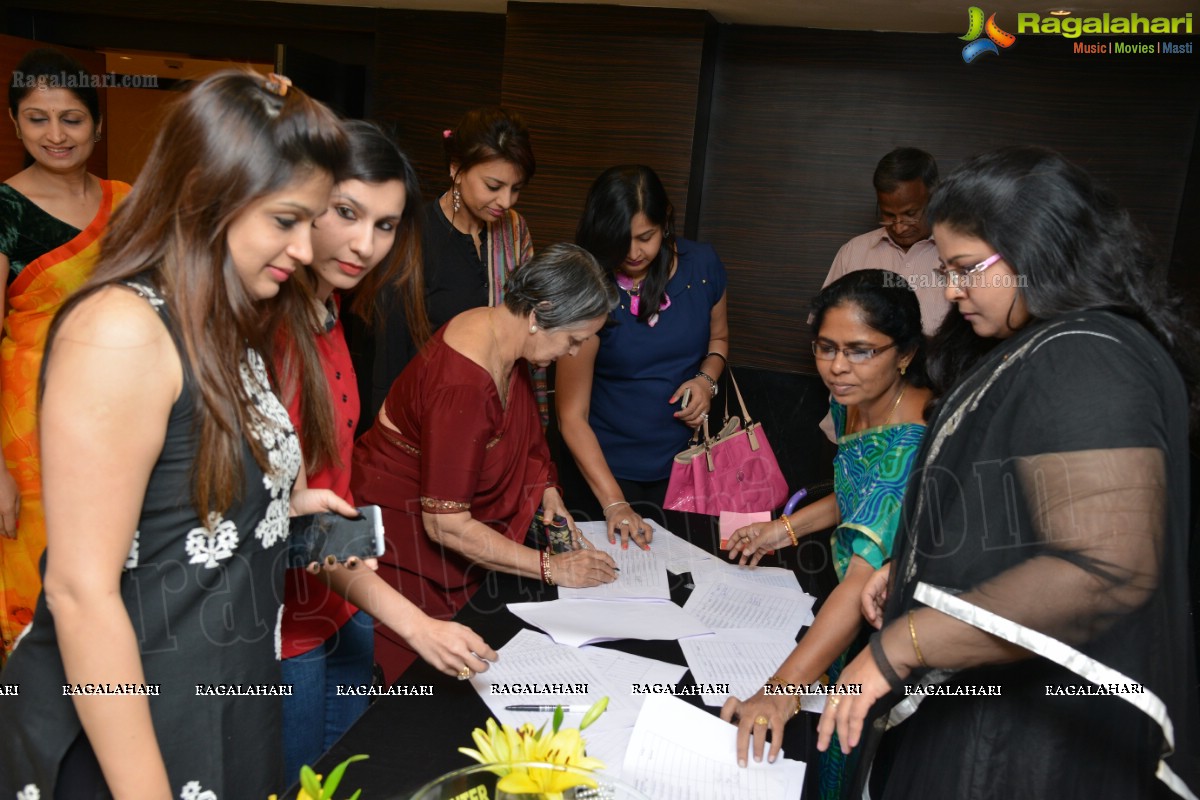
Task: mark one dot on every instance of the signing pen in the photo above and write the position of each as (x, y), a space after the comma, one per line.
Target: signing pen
(566, 709)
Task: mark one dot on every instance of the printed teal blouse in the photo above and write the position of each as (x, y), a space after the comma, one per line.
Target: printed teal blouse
(870, 472)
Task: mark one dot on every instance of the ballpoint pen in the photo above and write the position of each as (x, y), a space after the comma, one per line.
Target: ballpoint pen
(566, 709)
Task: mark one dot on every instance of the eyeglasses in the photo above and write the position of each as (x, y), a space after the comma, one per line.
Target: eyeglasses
(909, 220)
(957, 276)
(855, 355)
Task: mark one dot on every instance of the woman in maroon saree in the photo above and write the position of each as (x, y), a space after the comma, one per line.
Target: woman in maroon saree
(457, 459)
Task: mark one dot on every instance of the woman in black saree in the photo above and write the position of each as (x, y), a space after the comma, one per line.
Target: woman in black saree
(1035, 636)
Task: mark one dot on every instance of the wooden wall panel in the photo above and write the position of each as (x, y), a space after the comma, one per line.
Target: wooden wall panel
(599, 86)
(430, 68)
(800, 117)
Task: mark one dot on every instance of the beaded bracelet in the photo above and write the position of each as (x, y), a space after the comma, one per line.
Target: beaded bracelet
(546, 568)
(711, 383)
(787, 523)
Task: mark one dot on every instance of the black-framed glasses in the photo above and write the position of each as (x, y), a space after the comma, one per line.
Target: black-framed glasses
(855, 355)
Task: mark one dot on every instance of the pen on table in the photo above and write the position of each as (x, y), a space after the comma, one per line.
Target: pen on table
(566, 709)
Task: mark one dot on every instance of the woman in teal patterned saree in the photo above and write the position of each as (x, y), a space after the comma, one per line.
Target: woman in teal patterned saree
(870, 352)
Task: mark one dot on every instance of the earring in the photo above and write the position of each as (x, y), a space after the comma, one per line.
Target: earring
(533, 328)
(96, 138)
(903, 367)
(456, 198)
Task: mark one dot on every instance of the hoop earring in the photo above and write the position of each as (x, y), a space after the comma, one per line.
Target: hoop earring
(456, 199)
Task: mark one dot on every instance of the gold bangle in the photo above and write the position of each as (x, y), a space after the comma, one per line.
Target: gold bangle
(787, 523)
(775, 680)
(912, 632)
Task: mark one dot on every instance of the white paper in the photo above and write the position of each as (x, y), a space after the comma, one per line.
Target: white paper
(742, 659)
(580, 622)
(530, 660)
(746, 606)
(680, 554)
(642, 576)
(680, 752)
(623, 670)
(718, 571)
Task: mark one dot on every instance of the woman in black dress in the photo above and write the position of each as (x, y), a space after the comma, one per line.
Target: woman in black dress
(169, 469)
(1038, 593)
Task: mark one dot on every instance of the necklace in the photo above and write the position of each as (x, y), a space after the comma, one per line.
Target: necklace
(891, 413)
(499, 375)
(634, 289)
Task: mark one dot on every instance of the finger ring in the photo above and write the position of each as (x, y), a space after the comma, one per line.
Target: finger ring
(761, 720)
(464, 673)
(626, 522)
(704, 416)
(833, 701)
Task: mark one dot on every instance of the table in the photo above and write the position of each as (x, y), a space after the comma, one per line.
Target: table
(413, 739)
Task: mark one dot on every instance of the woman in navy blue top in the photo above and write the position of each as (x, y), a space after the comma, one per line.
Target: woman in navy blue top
(619, 399)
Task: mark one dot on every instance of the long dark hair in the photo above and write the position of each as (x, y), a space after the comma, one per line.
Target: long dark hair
(372, 157)
(605, 229)
(888, 305)
(226, 143)
(52, 69)
(1078, 247)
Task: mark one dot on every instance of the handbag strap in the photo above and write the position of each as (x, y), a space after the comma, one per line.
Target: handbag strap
(746, 420)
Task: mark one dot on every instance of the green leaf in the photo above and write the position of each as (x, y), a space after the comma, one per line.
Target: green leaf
(309, 782)
(335, 776)
(355, 795)
(594, 712)
(558, 718)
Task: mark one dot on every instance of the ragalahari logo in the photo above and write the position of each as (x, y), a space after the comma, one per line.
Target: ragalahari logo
(996, 37)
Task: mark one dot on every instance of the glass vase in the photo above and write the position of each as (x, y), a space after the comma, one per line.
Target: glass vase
(478, 782)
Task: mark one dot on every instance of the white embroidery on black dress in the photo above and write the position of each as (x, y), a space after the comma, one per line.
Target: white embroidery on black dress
(208, 548)
(131, 560)
(192, 791)
(282, 446)
(30, 792)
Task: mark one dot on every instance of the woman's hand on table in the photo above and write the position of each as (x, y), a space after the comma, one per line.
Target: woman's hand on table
(578, 569)
(776, 709)
(846, 713)
(450, 647)
(622, 521)
(698, 405)
(751, 543)
(874, 595)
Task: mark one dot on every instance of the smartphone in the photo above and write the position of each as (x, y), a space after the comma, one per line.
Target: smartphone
(314, 537)
(687, 398)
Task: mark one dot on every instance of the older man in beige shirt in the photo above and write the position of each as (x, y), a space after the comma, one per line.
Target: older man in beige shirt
(903, 244)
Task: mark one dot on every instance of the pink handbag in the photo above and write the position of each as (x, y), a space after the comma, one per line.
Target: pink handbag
(734, 471)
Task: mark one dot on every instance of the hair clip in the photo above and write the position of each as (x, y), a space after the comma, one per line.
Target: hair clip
(446, 134)
(278, 84)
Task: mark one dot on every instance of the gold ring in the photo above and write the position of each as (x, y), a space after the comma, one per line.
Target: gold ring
(833, 701)
(464, 673)
(761, 719)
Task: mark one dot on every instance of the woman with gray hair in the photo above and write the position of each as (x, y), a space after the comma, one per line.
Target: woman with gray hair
(457, 459)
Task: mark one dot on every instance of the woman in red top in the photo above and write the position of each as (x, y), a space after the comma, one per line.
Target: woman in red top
(367, 238)
(457, 458)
